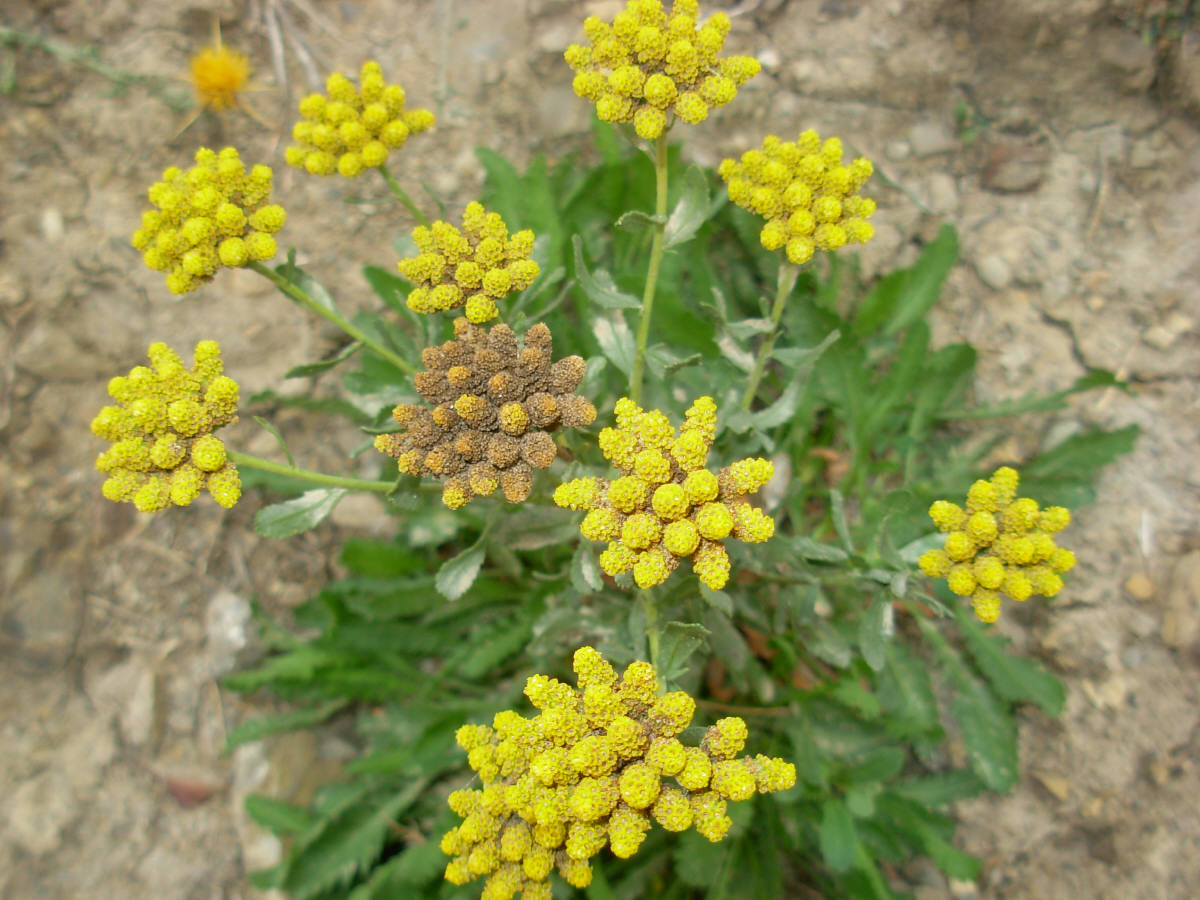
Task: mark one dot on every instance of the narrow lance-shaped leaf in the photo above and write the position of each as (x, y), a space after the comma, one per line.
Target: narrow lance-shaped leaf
(283, 520)
(692, 210)
(305, 282)
(457, 574)
(599, 285)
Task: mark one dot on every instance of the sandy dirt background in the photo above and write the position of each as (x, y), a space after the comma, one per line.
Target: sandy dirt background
(1077, 197)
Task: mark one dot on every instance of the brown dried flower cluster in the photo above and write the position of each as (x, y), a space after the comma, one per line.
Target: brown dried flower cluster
(495, 401)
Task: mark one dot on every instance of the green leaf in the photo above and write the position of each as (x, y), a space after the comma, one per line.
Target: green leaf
(282, 520)
(717, 599)
(293, 720)
(457, 574)
(802, 359)
(837, 510)
(807, 548)
(906, 295)
(828, 644)
(419, 864)
(305, 282)
(990, 735)
(698, 863)
(634, 220)
(748, 328)
(389, 287)
(1014, 678)
(663, 361)
(274, 432)
(783, 409)
(599, 285)
(1075, 461)
(836, 835)
(906, 690)
(346, 843)
(1096, 378)
(615, 339)
(875, 631)
(678, 642)
(585, 571)
(692, 210)
(324, 365)
(279, 818)
(941, 789)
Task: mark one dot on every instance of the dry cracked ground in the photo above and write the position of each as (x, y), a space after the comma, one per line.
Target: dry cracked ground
(1060, 143)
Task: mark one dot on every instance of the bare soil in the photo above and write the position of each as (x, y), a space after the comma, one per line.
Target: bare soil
(1071, 171)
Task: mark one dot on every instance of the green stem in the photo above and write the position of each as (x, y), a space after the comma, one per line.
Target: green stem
(653, 629)
(245, 460)
(402, 195)
(656, 255)
(783, 289)
(306, 300)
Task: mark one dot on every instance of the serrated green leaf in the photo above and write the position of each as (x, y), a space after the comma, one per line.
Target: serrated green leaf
(283, 520)
(906, 295)
(1030, 403)
(941, 789)
(678, 642)
(802, 359)
(691, 211)
(292, 720)
(615, 340)
(748, 328)
(876, 631)
(419, 864)
(782, 410)
(346, 844)
(906, 689)
(389, 287)
(990, 735)
(836, 835)
(301, 279)
(599, 285)
(274, 432)
(585, 571)
(854, 695)
(457, 574)
(1051, 476)
(316, 368)
(635, 220)
(698, 863)
(279, 818)
(1013, 678)
(828, 644)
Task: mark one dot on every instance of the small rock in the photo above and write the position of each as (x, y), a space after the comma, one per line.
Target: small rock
(87, 753)
(1139, 587)
(943, 192)
(769, 58)
(1014, 167)
(1055, 784)
(130, 690)
(363, 513)
(1127, 57)
(226, 622)
(1159, 337)
(51, 222)
(963, 890)
(931, 137)
(1185, 71)
(898, 150)
(1181, 616)
(39, 810)
(44, 614)
(994, 271)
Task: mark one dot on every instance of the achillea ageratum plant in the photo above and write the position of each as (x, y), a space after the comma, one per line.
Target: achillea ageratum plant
(807, 195)
(1001, 544)
(163, 449)
(471, 268)
(215, 214)
(667, 506)
(351, 129)
(651, 68)
(495, 402)
(599, 765)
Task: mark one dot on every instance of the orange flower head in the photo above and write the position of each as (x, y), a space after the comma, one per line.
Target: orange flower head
(218, 75)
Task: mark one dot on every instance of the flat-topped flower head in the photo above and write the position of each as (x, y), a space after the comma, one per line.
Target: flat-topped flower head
(651, 68)
(163, 449)
(495, 403)
(667, 506)
(350, 128)
(597, 766)
(999, 545)
(470, 268)
(215, 214)
(806, 192)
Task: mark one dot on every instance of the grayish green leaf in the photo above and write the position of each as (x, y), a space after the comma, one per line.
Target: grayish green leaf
(615, 339)
(457, 574)
(282, 520)
(692, 210)
(599, 286)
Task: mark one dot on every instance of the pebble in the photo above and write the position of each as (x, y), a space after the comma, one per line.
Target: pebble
(39, 810)
(994, 271)
(898, 150)
(1139, 587)
(45, 614)
(1014, 167)
(943, 192)
(51, 222)
(1127, 57)
(1181, 614)
(769, 58)
(226, 622)
(931, 137)
(1057, 785)
(130, 691)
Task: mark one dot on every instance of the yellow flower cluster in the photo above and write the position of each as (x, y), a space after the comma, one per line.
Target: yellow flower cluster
(808, 197)
(214, 214)
(163, 448)
(472, 268)
(495, 402)
(592, 769)
(649, 68)
(353, 129)
(667, 506)
(999, 544)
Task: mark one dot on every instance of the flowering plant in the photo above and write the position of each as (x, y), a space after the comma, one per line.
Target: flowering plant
(813, 443)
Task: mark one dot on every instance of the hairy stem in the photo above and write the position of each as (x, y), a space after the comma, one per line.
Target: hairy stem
(302, 297)
(402, 195)
(246, 460)
(783, 288)
(656, 255)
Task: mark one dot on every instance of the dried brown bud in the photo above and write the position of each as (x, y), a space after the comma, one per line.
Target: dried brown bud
(503, 342)
(504, 387)
(483, 478)
(539, 338)
(538, 449)
(567, 374)
(503, 450)
(516, 483)
(543, 409)
(575, 411)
